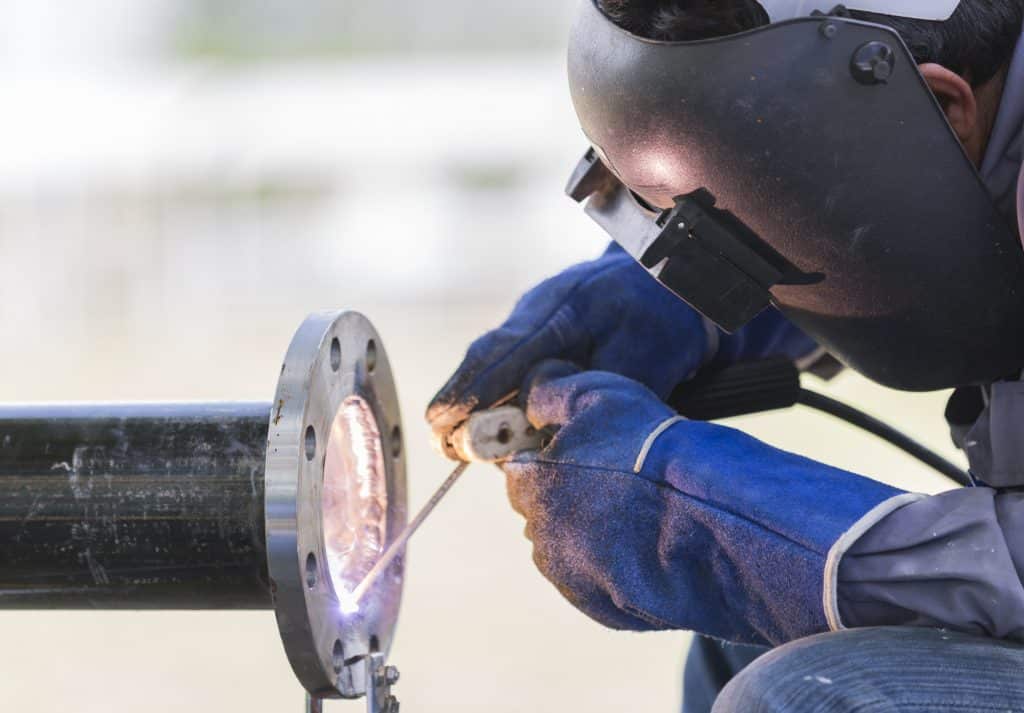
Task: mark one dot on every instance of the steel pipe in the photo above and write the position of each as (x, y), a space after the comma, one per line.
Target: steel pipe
(136, 506)
(282, 505)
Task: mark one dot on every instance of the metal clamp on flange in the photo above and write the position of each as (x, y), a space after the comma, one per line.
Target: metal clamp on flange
(379, 680)
(336, 496)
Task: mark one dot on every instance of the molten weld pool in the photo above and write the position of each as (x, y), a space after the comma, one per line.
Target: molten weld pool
(354, 498)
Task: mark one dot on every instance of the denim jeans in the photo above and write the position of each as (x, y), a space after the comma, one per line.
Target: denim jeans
(879, 670)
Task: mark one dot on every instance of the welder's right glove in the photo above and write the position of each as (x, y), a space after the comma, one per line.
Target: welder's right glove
(607, 314)
(644, 520)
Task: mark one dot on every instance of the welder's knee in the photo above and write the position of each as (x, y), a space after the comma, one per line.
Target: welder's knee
(795, 678)
(817, 674)
(880, 670)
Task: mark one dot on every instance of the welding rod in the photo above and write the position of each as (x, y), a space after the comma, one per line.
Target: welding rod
(486, 437)
(396, 547)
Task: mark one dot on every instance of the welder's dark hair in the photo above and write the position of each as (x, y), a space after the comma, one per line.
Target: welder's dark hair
(977, 41)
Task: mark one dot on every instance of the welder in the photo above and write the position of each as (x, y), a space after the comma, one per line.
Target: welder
(783, 178)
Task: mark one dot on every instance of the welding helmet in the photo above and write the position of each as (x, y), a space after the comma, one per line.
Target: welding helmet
(805, 164)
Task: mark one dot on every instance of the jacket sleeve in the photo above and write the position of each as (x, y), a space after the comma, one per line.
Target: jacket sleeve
(951, 561)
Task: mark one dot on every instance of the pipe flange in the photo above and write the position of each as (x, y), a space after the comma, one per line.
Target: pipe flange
(335, 497)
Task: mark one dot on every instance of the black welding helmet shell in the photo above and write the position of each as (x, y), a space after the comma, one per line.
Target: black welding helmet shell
(804, 163)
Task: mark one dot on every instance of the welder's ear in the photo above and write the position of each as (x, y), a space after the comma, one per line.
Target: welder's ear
(958, 101)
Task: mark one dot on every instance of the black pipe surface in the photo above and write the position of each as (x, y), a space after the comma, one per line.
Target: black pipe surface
(133, 506)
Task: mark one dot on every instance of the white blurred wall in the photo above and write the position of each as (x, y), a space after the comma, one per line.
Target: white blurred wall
(167, 219)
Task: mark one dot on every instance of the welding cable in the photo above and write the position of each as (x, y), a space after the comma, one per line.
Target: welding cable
(774, 383)
(872, 425)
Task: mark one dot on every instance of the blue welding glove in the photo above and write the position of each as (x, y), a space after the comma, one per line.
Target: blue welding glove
(606, 314)
(644, 520)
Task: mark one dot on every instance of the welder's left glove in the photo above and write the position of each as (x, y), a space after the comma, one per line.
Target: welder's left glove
(647, 521)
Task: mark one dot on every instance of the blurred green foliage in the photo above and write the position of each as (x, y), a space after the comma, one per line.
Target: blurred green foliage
(245, 31)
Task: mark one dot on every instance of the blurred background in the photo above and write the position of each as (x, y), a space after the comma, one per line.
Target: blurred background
(181, 181)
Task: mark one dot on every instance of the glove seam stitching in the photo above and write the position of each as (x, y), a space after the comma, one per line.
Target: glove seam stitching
(647, 617)
(648, 444)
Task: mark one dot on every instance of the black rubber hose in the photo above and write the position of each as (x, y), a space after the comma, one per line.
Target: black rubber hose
(771, 384)
(882, 430)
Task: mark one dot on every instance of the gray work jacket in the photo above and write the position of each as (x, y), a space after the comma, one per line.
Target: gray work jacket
(954, 560)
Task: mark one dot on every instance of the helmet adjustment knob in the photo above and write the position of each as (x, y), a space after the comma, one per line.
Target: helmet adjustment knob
(873, 63)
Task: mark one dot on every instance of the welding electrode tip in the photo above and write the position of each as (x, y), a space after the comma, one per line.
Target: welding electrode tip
(350, 603)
